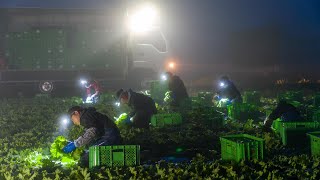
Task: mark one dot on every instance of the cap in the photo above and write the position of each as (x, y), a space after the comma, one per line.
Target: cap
(73, 109)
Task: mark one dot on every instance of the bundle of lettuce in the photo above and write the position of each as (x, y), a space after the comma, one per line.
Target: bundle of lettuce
(168, 97)
(120, 120)
(66, 159)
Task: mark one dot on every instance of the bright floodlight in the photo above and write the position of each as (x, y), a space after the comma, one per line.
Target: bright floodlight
(143, 19)
(222, 84)
(171, 65)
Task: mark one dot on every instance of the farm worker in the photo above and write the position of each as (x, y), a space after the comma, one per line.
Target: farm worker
(285, 111)
(176, 86)
(142, 106)
(93, 90)
(227, 90)
(99, 130)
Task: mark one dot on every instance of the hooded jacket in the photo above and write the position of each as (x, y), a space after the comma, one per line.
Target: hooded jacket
(95, 125)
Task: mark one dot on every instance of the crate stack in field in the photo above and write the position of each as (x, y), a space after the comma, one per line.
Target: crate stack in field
(114, 156)
(315, 143)
(166, 119)
(241, 147)
(294, 133)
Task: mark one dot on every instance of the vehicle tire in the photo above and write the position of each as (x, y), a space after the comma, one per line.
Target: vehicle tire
(46, 87)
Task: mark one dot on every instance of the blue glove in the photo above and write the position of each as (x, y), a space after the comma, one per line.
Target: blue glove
(69, 148)
(127, 121)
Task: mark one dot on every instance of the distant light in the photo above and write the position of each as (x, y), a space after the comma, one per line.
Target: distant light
(222, 84)
(171, 65)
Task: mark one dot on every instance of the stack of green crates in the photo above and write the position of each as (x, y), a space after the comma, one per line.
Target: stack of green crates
(251, 97)
(166, 119)
(243, 111)
(294, 133)
(114, 156)
(241, 147)
(158, 90)
(315, 143)
(276, 125)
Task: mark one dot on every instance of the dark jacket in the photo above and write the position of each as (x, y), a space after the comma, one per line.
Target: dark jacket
(284, 108)
(95, 124)
(143, 107)
(230, 92)
(178, 89)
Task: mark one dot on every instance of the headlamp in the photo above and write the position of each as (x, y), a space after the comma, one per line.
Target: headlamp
(117, 104)
(83, 82)
(164, 77)
(222, 84)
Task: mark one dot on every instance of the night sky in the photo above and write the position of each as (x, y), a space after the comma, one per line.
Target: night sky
(241, 32)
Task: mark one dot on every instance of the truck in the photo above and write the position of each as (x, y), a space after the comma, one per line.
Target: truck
(48, 46)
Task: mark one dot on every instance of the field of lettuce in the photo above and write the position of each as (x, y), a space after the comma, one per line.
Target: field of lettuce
(30, 126)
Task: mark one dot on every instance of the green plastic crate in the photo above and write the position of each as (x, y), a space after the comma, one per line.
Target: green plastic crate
(294, 133)
(161, 120)
(243, 111)
(276, 125)
(241, 147)
(315, 143)
(114, 156)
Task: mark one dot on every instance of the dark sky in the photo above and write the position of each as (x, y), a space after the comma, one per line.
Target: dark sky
(245, 31)
(251, 32)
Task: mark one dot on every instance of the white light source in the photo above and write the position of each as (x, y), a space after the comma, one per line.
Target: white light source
(222, 84)
(65, 121)
(117, 104)
(83, 82)
(171, 65)
(143, 19)
(164, 77)
(224, 99)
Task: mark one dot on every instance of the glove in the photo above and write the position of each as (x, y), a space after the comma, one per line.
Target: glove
(69, 148)
(128, 120)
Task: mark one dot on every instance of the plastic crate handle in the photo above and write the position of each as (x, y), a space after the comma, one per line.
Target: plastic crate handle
(117, 150)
